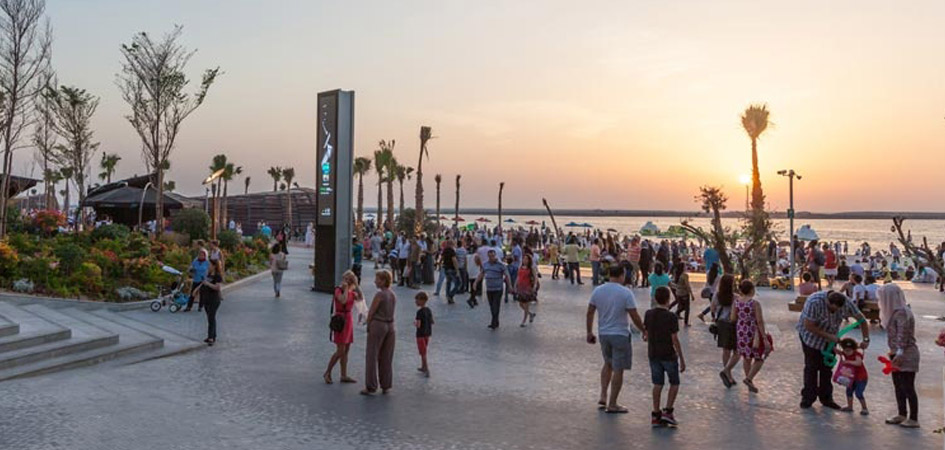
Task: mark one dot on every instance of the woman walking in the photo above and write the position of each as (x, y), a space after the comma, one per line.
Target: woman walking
(210, 297)
(656, 279)
(721, 309)
(752, 343)
(277, 265)
(526, 288)
(381, 336)
(343, 304)
(899, 323)
(683, 292)
(712, 283)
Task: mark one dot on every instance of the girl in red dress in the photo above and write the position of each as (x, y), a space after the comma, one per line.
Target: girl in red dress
(526, 288)
(344, 303)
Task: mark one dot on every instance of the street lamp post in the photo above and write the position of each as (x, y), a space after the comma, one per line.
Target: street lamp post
(213, 216)
(791, 176)
(141, 206)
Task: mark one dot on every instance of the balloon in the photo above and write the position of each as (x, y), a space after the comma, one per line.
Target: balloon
(888, 367)
(830, 358)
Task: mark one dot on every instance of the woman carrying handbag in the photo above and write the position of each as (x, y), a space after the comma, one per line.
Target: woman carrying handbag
(342, 325)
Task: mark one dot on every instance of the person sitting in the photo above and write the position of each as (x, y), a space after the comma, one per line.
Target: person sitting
(807, 287)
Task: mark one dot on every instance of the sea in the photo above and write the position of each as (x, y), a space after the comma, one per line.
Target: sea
(877, 232)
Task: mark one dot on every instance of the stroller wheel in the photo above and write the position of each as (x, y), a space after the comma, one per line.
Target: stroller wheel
(155, 306)
(174, 308)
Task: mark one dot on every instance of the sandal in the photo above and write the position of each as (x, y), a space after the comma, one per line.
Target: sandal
(348, 380)
(618, 410)
(327, 378)
(726, 380)
(751, 386)
(601, 405)
(367, 392)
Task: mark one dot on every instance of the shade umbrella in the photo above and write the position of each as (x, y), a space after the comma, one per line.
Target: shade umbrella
(458, 219)
(483, 219)
(444, 218)
(531, 222)
(806, 233)
(572, 224)
(586, 225)
(509, 220)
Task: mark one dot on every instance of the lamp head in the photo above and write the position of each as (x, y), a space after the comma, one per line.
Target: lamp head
(782, 172)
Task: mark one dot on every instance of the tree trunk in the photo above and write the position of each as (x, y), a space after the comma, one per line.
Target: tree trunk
(66, 201)
(456, 208)
(419, 213)
(361, 201)
(288, 191)
(380, 204)
(501, 188)
(437, 206)
(554, 223)
(159, 201)
(390, 199)
(223, 209)
(757, 197)
(401, 210)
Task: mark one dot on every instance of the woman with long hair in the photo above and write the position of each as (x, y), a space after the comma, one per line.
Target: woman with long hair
(656, 279)
(899, 323)
(711, 282)
(721, 308)
(526, 288)
(344, 300)
(683, 292)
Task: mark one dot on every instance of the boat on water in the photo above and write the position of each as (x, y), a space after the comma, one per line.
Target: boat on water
(673, 232)
(650, 229)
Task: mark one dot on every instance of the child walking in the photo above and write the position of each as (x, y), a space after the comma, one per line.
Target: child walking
(853, 358)
(666, 357)
(424, 324)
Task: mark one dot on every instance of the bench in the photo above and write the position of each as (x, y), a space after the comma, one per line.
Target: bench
(871, 311)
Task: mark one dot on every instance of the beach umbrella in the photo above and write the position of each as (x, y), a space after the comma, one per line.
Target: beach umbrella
(509, 220)
(370, 216)
(531, 222)
(458, 219)
(586, 225)
(806, 233)
(483, 219)
(611, 230)
(572, 224)
(444, 218)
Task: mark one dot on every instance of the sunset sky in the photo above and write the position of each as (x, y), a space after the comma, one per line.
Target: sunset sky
(595, 104)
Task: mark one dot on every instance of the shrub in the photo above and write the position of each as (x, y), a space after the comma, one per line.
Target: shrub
(194, 222)
(23, 243)
(9, 260)
(24, 286)
(128, 293)
(229, 240)
(175, 238)
(89, 277)
(110, 231)
(48, 222)
(70, 257)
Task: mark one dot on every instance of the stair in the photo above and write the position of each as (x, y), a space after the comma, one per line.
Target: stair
(36, 339)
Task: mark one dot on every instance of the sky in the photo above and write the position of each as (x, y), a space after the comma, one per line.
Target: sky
(595, 104)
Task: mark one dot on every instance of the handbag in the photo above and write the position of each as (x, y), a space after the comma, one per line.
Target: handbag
(844, 375)
(706, 293)
(338, 320)
(282, 263)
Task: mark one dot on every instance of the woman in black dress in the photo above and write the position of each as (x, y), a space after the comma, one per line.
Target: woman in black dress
(210, 296)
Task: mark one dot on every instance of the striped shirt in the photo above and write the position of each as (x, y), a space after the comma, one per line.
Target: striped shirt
(815, 310)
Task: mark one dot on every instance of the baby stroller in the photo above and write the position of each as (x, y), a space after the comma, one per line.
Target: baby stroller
(176, 295)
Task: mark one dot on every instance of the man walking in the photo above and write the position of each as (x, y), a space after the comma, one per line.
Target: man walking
(818, 325)
(615, 302)
(496, 276)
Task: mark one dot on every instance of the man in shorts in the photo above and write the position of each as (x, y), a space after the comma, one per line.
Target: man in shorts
(615, 302)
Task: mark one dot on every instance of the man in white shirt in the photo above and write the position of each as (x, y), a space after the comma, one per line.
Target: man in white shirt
(614, 303)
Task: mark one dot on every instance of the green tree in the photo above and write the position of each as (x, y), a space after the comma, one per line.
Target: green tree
(276, 173)
(108, 164)
(426, 133)
(402, 174)
(362, 166)
(755, 120)
(153, 83)
(72, 109)
(389, 164)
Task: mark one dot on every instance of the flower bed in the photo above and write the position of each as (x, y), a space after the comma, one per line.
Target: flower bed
(109, 263)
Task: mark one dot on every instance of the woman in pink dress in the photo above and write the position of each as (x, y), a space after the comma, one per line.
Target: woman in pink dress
(526, 288)
(752, 344)
(344, 303)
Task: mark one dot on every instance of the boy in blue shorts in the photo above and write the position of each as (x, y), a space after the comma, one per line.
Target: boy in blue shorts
(666, 357)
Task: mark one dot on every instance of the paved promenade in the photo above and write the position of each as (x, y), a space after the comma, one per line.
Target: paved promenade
(260, 387)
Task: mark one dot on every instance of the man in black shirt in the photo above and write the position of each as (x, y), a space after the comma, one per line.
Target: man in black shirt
(665, 353)
(450, 267)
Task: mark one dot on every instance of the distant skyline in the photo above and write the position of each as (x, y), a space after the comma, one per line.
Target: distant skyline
(610, 105)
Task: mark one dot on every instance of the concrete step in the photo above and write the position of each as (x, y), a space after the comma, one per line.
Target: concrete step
(84, 337)
(173, 343)
(81, 359)
(32, 339)
(7, 327)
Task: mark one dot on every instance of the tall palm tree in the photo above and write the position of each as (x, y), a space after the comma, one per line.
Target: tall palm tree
(288, 174)
(426, 133)
(456, 208)
(501, 188)
(276, 174)
(402, 173)
(362, 165)
(379, 164)
(439, 179)
(218, 162)
(108, 164)
(390, 165)
(755, 122)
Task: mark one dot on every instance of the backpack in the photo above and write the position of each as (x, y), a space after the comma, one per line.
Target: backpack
(819, 258)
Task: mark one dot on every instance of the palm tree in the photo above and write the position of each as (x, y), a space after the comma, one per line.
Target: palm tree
(66, 173)
(402, 173)
(288, 174)
(755, 122)
(390, 165)
(456, 208)
(380, 162)
(229, 172)
(439, 179)
(218, 163)
(276, 174)
(246, 185)
(501, 188)
(426, 133)
(362, 165)
(108, 164)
